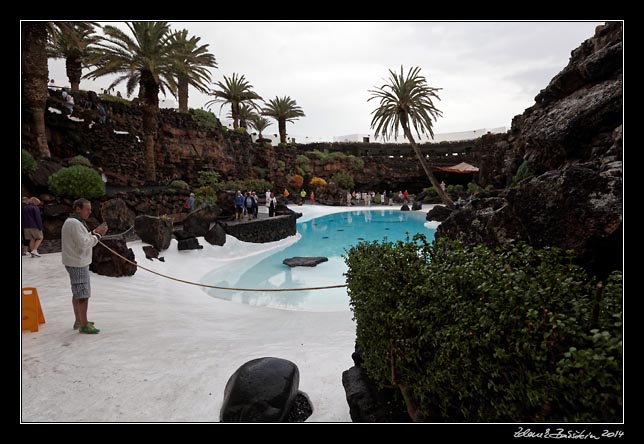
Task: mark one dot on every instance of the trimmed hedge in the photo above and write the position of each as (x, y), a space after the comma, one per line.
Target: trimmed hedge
(481, 335)
(77, 181)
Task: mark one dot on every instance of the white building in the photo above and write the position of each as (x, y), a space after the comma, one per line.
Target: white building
(443, 137)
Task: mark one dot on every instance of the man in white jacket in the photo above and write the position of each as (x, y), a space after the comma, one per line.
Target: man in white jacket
(77, 243)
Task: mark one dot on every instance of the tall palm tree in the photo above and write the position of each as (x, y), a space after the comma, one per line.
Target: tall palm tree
(74, 44)
(407, 100)
(235, 90)
(283, 109)
(146, 61)
(191, 66)
(259, 123)
(34, 79)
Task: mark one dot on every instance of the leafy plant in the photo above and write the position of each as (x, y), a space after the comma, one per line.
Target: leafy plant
(343, 180)
(80, 160)
(77, 181)
(488, 335)
(28, 162)
(204, 119)
(304, 163)
(179, 185)
(208, 178)
(205, 195)
(523, 172)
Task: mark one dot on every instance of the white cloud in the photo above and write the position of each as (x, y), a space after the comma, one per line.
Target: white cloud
(488, 71)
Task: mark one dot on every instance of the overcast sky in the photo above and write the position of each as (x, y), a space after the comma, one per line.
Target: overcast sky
(488, 71)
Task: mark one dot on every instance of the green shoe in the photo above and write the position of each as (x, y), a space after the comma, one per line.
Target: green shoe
(77, 324)
(89, 329)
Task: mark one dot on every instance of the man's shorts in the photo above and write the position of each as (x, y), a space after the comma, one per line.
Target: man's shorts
(79, 278)
(32, 233)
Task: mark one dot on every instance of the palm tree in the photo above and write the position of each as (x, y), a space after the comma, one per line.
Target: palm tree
(74, 44)
(147, 61)
(34, 79)
(404, 100)
(236, 90)
(246, 114)
(191, 66)
(283, 109)
(259, 123)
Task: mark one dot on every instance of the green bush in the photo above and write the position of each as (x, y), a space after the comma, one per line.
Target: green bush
(281, 165)
(473, 188)
(77, 181)
(343, 180)
(80, 160)
(240, 130)
(204, 119)
(205, 195)
(304, 164)
(261, 172)
(523, 172)
(357, 164)
(258, 185)
(28, 162)
(209, 178)
(481, 335)
(179, 185)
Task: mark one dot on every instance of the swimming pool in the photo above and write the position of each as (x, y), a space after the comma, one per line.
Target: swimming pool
(331, 236)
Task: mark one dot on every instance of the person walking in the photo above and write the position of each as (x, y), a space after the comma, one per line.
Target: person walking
(32, 225)
(77, 242)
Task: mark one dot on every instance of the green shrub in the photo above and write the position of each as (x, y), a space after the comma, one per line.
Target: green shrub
(473, 188)
(522, 173)
(281, 165)
(357, 164)
(240, 130)
(258, 185)
(80, 160)
(28, 162)
(205, 195)
(204, 119)
(304, 163)
(209, 178)
(261, 172)
(430, 192)
(343, 180)
(179, 185)
(77, 181)
(481, 335)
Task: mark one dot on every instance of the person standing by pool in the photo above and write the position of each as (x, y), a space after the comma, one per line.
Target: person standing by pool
(32, 225)
(77, 242)
(312, 198)
(239, 205)
(272, 203)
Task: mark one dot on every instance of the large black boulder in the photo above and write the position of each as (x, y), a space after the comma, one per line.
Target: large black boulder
(261, 390)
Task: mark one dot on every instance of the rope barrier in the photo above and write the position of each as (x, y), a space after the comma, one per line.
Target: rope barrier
(216, 286)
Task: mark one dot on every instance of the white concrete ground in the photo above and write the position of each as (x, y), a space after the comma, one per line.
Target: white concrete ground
(166, 349)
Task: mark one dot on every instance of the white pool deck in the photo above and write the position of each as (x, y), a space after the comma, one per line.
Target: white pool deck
(167, 349)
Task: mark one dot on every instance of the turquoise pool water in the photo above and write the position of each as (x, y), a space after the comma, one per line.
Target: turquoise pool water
(331, 236)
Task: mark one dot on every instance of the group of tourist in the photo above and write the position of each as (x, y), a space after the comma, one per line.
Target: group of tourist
(367, 197)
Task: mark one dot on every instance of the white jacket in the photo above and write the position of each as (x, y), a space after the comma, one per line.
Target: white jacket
(77, 243)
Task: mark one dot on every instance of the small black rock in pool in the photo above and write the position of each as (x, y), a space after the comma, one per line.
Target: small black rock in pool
(299, 261)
